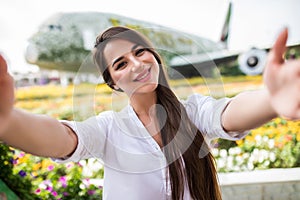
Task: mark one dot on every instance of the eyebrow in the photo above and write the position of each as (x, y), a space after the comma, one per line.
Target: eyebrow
(121, 57)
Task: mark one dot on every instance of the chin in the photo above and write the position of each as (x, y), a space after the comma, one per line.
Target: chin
(148, 88)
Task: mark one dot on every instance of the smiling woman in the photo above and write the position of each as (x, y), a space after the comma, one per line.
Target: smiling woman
(137, 70)
(156, 146)
(134, 70)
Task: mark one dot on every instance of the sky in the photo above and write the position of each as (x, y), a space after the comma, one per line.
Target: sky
(19, 19)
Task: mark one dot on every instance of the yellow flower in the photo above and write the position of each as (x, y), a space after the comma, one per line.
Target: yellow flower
(34, 174)
(240, 142)
(24, 158)
(46, 163)
(36, 166)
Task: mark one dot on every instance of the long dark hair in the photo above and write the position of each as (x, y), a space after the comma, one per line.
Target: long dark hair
(182, 141)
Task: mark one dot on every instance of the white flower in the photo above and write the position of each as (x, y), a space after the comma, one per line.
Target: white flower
(215, 152)
(250, 166)
(258, 139)
(230, 162)
(255, 155)
(234, 151)
(223, 153)
(271, 143)
(239, 160)
(272, 156)
(262, 155)
(245, 155)
(221, 162)
(265, 138)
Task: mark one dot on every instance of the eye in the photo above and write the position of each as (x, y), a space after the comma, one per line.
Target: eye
(140, 52)
(121, 65)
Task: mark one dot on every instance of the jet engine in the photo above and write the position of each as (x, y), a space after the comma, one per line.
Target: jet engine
(253, 61)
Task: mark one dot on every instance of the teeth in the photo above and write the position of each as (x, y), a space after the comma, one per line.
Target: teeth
(143, 76)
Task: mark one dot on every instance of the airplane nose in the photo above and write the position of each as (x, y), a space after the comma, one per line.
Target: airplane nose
(31, 53)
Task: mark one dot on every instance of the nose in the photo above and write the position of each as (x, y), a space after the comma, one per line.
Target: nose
(136, 65)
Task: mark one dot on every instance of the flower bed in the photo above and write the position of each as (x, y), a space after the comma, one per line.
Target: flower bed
(274, 145)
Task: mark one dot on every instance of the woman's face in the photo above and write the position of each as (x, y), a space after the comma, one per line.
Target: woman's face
(132, 68)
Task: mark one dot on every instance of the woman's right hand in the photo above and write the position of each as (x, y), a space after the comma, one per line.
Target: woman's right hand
(6, 95)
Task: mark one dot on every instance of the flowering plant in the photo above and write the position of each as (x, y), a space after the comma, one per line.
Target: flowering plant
(274, 145)
(14, 179)
(33, 177)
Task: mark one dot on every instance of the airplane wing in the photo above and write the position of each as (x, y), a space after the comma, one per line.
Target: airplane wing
(250, 62)
(199, 64)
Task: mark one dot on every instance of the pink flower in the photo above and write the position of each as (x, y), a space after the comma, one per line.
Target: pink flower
(50, 167)
(21, 155)
(69, 165)
(54, 193)
(49, 188)
(63, 181)
(86, 182)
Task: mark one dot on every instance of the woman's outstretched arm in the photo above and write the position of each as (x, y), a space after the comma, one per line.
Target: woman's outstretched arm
(281, 97)
(36, 134)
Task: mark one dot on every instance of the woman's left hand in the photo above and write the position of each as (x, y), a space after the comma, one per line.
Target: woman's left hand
(282, 78)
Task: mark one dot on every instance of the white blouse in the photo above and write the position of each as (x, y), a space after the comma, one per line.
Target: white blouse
(134, 164)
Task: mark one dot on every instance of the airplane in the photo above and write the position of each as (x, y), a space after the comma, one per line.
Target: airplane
(65, 40)
(250, 61)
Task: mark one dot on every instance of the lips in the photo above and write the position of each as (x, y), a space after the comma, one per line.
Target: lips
(143, 75)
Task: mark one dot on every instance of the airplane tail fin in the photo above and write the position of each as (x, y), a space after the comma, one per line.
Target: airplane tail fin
(225, 29)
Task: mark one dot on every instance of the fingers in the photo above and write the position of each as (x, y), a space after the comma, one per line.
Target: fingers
(3, 65)
(279, 48)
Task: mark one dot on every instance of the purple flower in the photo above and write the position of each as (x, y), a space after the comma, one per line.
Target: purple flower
(13, 161)
(216, 145)
(22, 173)
(65, 194)
(91, 192)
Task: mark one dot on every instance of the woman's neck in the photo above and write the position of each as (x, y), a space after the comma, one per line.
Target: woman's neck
(143, 103)
(144, 107)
